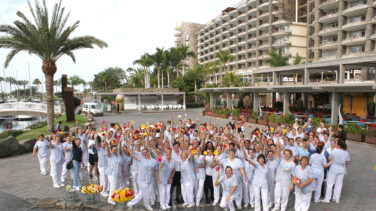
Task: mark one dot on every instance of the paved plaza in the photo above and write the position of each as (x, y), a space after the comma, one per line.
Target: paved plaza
(19, 175)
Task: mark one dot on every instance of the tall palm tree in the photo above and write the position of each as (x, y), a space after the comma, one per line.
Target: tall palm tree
(194, 75)
(11, 81)
(23, 83)
(158, 58)
(277, 59)
(231, 80)
(75, 80)
(49, 38)
(185, 54)
(1, 86)
(145, 61)
(224, 57)
(37, 83)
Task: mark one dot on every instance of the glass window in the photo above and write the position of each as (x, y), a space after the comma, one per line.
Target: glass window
(356, 49)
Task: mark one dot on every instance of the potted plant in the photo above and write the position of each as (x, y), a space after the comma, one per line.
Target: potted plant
(354, 132)
(215, 111)
(235, 114)
(371, 108)
(272, 120)
(263, 120)
(224, 112)
(371, 136)
(252, 117)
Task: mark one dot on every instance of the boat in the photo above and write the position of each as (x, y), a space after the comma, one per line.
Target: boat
(24, 118)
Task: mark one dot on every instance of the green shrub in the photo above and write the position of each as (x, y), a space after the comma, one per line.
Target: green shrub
(285, 119)
(214, 110)
(316, 121)
(353, 128)
(8, 133)
(225, 111)
(272, 118)
(253, 115)
(235, 112)
(37, 125)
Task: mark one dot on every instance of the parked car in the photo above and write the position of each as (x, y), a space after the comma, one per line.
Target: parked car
(93, 108)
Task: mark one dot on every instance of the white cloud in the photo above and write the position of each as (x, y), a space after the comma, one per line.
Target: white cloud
(130, 27)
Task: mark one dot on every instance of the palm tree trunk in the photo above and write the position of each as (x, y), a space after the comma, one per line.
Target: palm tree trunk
(183, 67)
(195, 90)
(158, 73)
(168, 78)
(162, 79)
(50, 101)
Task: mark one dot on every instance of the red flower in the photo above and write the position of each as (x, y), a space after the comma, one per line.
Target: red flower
(104, 121)
(136, 132)
(225, 146)
(209, 113)
(218, 168)
(243, 122)
(159, 159)
(174, 128)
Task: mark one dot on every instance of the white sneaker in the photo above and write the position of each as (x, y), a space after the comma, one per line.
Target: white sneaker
(41, 173)
(56, 186)
(167, 206)
(184, 205)
(77, 188)
(112, 202)
(252, 206)
(197, 204)
(149, 208)
(190, 206)
(325, 201)
(275, 209)
(246, 205)
(214, 204)
(163, 207)
(104, 195)
(270, 206)
(61, 185)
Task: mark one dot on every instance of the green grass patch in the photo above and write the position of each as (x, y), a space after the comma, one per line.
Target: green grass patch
(8, 133)
(82, 120)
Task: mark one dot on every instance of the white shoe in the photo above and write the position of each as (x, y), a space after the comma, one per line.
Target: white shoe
(62, 185)
(325, 201)
(270, 206)
(167, 206)
(163, 207)
(77, 188)
(149, 208)
(56, 186)
(239, 207)
(190, 206)
(214, 204)
(246, 205)
(41, 173)
(197, 204)
(112, 202)
(184, 205)
(252, 206)
(275, 209)
(104, 195)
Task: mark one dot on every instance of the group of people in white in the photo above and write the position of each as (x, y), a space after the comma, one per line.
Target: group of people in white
(190, 160)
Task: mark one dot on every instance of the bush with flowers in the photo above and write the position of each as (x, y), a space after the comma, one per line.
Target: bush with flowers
(122, 195)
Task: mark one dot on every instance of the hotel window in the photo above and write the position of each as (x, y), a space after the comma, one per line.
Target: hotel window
(357, 34)
(329, 53)
(357, 19)
(356, 49)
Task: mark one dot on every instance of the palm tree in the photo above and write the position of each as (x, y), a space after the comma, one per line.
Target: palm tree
(75, 80)
(49, 38)
(158, 58)
(1, 86)
(11, 81)
(37, 82)
(231, 80)
(224, 57)
(298, 59)
(185, 54)
(23, 83)
(145, 61)
(194, 75)
(276, 59)
(56, 84)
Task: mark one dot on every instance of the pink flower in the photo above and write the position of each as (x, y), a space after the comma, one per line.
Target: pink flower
(218, 168)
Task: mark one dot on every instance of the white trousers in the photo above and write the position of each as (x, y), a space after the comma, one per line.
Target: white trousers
(43, 164)
(164, 194)
(302, 201)
(65, 172)
(56, 169)
(251, 193)
(114, 183)
(245, 192)
(318, 185)
(153, 191)
(103, 179)
(187, 192)
(281, 196)
(216, 192)
(134, 182)
(271, 193)
(261, 193)
(85, 158)
(199, 189)
(239, 196)
(142, 194)
(227, 204)
(336, 180)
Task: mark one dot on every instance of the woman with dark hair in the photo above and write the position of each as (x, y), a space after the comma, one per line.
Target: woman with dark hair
(229, 184)
(318, 163)
(302, 178)
(188, 178)
(272, 164)
(339, 158)
(260, 182)
(164, 177)
(208, 184)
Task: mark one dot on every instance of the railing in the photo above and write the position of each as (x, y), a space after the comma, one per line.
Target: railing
(26, 106)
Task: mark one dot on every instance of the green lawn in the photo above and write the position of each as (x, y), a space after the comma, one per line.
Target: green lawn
(43, 130)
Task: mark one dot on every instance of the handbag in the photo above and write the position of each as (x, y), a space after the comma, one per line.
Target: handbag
(69, 165)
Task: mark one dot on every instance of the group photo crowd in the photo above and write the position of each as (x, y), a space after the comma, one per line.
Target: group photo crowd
(190, 162)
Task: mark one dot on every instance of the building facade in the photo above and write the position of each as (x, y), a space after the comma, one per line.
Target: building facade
(187, 34)
(250, 31)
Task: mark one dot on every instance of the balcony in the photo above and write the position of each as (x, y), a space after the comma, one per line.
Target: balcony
(263, 46)
(252, 30)
(329, 4)
(263, 16)
(281, 33)
(328, 31)
(355, 10)
(373, 37)
(329, 18)
(264, 26)
(252, 11)
(354, 26)
(242, 42)
(264, 6)
(277, 13)
(354, 40)
(242, 34)
(328, 45)
(281, 43)
(241, 15)
(263, 37)
(252, 21)
(252, 49)
(264, 57)
(280, 22)
(373, 20)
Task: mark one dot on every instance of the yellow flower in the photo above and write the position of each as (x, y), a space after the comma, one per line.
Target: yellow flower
(194, 152)
(145, 134)
(215, 152)
(272, 129)
(179, 116)
(205, 153)
(283, 130)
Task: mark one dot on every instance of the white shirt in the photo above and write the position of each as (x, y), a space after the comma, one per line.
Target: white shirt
(42, 148)
(57, 153)
(69, 153)
(90, 145)
(317, 162)
(166, 170)
(228, 184)
(340, 157)
(303, 175)
(284, 172)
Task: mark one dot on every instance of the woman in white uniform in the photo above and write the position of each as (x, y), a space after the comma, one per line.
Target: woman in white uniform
(137, 151)
(57, 160)
(283, 181)
(238, 170)
(260, 183)
(199, 163)
(303, 188)
(216, 170)
(250, 171)
(147, 168)
(229, 184)
(318, 163)
(42, 147)
(164, 178)
(188, 178)
(339, 158)
(115, 170)
(102, 166)
(67, 145)
(272, 164)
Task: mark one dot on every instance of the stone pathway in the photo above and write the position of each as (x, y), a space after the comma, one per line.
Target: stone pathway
(20, 178)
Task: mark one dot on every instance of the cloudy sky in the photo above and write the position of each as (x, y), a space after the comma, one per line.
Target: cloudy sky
(130, 28)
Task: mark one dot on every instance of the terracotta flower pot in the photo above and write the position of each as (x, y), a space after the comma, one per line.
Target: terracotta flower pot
(254, 121)
(370, 139)
(354, 137)
(273, 124)
(262, 122)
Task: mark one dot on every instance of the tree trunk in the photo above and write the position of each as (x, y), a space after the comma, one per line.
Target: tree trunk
(158, 73)
(162, 79)
(50, 101)
(183, 67)
(168, 78)
(195, 90)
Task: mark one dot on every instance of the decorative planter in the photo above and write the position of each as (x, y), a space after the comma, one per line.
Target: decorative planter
(235, 118)
(91, 199)
(354, 137)
(71, 196)
(262, 122)
(223, 116)
(370, 139)
(273, 124)
(254, 121)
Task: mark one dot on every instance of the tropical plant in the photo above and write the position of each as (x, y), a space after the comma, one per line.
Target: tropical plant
(23, 83)
(145, 61)
(135, 80)
(231, 80)
(75, 80)
(253, 115)
(49, 38)
(298, 59)
(224, 57)
(353, 128)
(276, 59)
(184, 54)
(235, 112)
(196, 74)
(11, 81)
(110, 78)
